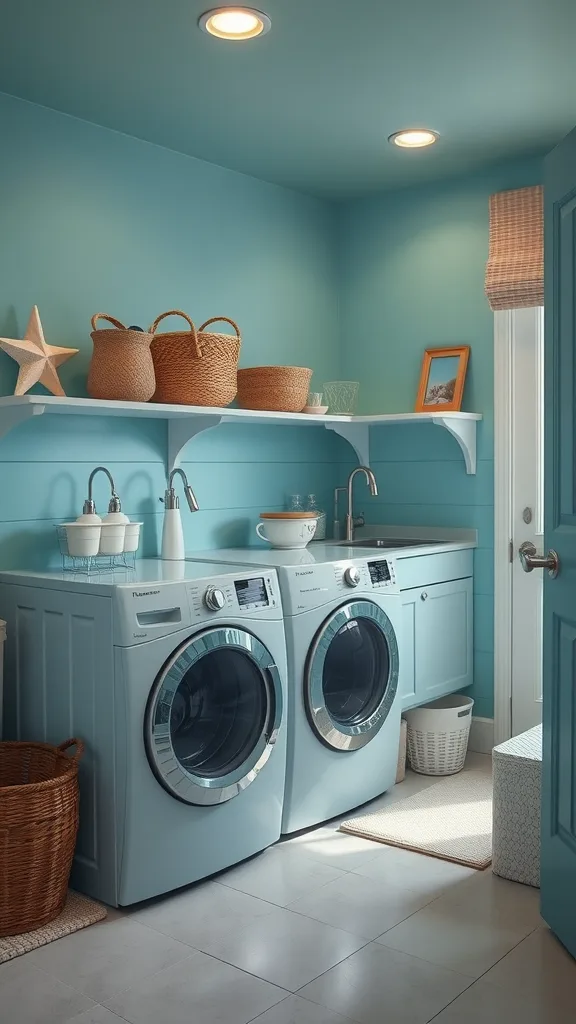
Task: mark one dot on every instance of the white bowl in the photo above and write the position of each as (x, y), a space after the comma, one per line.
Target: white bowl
(132, 536)
(315, 410)
(112, 538)
(287, 534)
(83, 539)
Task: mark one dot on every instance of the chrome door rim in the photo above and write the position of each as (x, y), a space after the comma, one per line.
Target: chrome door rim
(182, 784)
(335, 734)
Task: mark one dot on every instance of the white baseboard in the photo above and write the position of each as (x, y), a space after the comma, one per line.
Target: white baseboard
(481, 735)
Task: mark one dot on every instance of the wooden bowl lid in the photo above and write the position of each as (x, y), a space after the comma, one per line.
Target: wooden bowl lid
(288, 515)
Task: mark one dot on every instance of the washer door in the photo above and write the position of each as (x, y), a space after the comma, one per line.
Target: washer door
(213, 716)
(351, 675)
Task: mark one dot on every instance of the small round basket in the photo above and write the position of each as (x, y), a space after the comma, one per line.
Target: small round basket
(438, 735)
(274, 388)
(38, 827)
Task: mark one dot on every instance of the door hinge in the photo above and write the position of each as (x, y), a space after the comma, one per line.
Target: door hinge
(511, 551)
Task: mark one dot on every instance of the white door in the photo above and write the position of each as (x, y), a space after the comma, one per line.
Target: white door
(527, 437)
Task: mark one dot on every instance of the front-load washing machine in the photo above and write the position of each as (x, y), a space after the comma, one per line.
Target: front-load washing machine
(177, 688)
(343, 618)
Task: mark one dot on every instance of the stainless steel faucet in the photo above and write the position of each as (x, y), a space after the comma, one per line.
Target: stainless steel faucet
(351, 522)
(90, 504)
(170, 498)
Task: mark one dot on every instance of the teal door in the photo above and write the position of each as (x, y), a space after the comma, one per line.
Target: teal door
(559, 679)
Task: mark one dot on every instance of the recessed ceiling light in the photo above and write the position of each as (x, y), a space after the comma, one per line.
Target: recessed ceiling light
(236, 23)
(414, 138)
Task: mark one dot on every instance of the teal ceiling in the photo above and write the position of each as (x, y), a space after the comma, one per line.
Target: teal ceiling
(311, 104)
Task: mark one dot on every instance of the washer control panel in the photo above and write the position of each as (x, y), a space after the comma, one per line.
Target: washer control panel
(146, 610)
(253, 594)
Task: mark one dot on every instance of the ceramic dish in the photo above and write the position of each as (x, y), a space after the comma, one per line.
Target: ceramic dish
(294, 531)
(315, 410)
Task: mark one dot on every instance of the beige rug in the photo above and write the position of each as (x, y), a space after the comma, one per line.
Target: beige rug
(78, 913)
(451, 820)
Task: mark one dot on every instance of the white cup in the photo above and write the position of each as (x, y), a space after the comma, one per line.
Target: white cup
(112, 538)
(83, 539)
(132, 536)
(287, 534)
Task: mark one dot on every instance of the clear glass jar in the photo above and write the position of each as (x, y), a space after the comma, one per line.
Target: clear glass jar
(312, 506)
(296, 503)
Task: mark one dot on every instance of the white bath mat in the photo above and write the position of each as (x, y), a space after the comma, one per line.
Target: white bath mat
(451, 820)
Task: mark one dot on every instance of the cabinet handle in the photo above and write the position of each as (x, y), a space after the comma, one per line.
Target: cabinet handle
(424, 596)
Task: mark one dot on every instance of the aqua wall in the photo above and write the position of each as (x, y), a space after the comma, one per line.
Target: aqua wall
(412, 277)
(93, 220)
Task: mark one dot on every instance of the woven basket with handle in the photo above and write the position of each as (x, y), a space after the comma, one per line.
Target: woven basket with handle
(121, 368)
(38, 826)
(274, 388)
(195, 367)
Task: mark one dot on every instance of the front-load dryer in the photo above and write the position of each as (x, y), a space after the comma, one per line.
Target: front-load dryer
(177, 688)
(343, 620)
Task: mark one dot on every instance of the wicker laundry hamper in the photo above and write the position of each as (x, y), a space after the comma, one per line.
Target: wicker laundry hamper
(195, 367)
(121, 368)
(38, 827)
(274, 388)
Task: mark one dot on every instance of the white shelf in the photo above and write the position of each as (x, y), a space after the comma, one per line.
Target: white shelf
(185, 421)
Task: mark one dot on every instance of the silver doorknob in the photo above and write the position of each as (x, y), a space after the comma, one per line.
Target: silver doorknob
(530, 559)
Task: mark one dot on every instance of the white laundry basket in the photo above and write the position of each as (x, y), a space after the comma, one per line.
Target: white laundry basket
(438, 735)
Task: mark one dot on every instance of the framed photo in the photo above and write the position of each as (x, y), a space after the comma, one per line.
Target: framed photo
(442, 379)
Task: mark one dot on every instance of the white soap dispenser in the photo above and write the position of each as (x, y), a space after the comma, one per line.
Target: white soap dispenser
(172, 533)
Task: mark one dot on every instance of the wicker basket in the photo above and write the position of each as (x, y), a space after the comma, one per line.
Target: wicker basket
(274, 388)
(38, 826)
(121, 368)
(195, 367)
(438, 735)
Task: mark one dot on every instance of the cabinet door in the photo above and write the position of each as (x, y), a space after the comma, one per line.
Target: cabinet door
(436, 655)
(443, 649)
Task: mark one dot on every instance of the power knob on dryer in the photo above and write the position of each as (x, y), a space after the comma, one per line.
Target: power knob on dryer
(214, 599)
(352, 576)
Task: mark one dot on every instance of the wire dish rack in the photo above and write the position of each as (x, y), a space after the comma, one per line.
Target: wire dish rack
(90, 565)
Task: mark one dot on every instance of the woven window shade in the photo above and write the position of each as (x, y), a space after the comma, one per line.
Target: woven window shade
(515, 268)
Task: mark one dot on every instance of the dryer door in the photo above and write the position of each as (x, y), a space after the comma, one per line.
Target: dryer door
(351, 675)
(213, 716)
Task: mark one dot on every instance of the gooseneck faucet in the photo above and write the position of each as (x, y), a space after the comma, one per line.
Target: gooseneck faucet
(90, 505)
(171, 499)
(351, 522)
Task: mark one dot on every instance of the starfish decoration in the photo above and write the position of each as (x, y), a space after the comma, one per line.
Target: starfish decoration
(36, 359)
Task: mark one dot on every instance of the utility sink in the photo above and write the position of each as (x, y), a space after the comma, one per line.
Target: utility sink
(379, 542)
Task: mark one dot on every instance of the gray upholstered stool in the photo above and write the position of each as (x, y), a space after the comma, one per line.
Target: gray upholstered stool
(517, 767)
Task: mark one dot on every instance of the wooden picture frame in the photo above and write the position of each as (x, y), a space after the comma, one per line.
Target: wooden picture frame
(442, 385)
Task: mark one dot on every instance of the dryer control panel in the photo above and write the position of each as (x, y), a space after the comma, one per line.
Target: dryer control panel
(374, 574)
(311, 586)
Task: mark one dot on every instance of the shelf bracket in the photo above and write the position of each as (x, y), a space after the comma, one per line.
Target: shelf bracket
(13, 416)
(358, 435)
(465, 433)
(180, 431)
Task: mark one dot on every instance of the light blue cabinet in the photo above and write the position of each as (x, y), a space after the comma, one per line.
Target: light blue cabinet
(436, 641)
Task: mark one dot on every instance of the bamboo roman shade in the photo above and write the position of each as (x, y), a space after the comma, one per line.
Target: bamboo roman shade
(515, 268)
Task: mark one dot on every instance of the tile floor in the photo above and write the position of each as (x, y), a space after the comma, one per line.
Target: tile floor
(322, 929)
